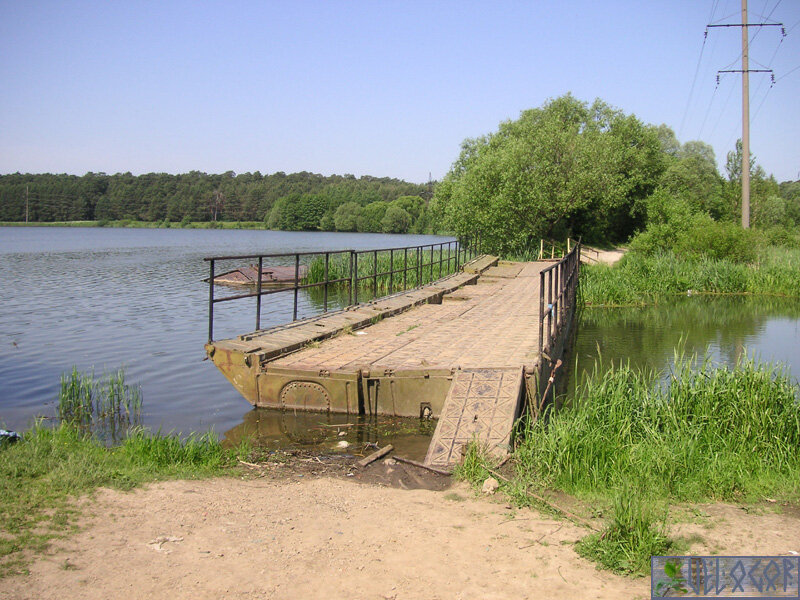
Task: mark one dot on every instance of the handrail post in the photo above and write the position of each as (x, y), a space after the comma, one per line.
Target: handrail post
(431, 279)
(211, 301)
(405, 269)
(541, 311)
(549, 307)
(355, 277)
(258, 293)
(441, 257)
(350, 282)
(325, 288)
(391, 271)
(296, 284)
(451, 258)
(374, 274)
(419, 266)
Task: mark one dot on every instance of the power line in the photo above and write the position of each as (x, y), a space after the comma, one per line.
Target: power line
(722, 111)
(708, 112)
(764, 99)
(694, 81)
(786, 74)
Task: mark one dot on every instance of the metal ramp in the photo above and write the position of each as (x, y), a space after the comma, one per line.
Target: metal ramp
(482, 404)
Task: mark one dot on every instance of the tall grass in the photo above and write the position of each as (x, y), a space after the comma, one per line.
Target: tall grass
(637, 440)
(105, 405)
(636, 531)
(640, 279)
(412, 269)
(697, 432)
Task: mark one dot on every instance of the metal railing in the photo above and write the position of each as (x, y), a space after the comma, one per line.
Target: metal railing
(385, 270)
(558, 286)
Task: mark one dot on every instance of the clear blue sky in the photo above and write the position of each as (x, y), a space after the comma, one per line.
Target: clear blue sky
(379, 88)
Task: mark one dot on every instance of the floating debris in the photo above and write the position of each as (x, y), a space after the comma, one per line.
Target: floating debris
(270, 276)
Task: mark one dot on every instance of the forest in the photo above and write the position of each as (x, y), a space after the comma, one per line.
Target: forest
(298, 201)
(567, 168)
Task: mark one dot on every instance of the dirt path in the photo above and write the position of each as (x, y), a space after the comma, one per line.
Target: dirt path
(314, 538)
(595, 255)
(297, 535)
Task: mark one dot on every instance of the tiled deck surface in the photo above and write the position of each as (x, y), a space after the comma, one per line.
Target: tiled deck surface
(494, 324)
(486, 334)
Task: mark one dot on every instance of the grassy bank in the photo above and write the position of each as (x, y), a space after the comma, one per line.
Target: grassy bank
(697, 432)
(640, 279)
(634, 441)
(43, 476)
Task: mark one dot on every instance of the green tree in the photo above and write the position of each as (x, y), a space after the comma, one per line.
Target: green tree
(693, 177)
(297, 212)
(396, 220)
(566, 167)
(346, 216)
(762, 186)
(413, 205)
(371, 217)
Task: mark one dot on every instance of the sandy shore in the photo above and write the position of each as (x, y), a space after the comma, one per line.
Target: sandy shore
(299, 536)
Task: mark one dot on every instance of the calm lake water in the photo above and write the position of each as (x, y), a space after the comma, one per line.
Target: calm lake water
(724, 328)
(100, 298)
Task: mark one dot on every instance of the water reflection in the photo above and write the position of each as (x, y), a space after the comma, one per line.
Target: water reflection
(329, 432)
(727, 327)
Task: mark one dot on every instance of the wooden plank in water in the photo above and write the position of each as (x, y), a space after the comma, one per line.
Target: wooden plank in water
(481, 405)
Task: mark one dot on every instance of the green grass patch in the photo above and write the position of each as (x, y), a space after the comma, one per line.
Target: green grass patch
(641, 279)
(43, 476)
(636, 531)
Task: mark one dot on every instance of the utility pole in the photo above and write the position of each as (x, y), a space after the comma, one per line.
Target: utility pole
(745, 121)
(745, 71)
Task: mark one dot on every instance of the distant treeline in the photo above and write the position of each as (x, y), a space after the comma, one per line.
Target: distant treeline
(298, 201)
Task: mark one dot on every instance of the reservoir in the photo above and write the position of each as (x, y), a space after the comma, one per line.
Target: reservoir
(98, 299)
(101, 298)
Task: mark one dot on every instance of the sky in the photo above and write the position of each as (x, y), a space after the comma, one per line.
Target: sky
(378, 88)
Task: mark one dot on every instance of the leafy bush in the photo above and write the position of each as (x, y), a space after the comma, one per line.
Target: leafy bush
(699, 237)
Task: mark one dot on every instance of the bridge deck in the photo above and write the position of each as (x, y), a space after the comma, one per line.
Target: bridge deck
(493, 324)
(465, 360)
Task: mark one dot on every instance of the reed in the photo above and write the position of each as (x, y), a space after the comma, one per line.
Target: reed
(411, 268)
(638, 279)
(696, 432)
(106, 405)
